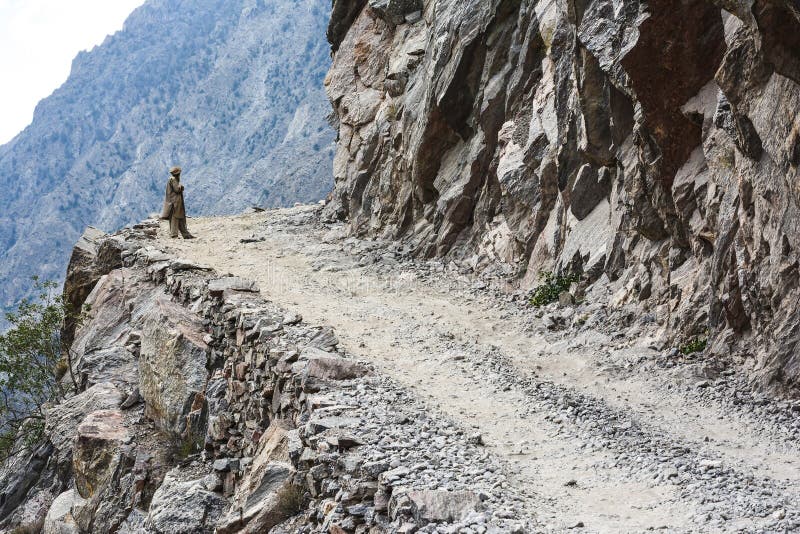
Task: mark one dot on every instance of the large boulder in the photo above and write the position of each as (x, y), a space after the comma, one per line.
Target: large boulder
(182, 506)
(94, 255)
(266, 496)
(172, 365)
(103, 463)
(59, 518)
(134, 473)
(62, 420)
(113, 500)
(97, 443)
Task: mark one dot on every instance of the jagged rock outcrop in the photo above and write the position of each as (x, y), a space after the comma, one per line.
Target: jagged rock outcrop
(86, 263)
(256, 504)
(172, 345)
(184, 506)
(650, 146)
(230, 90)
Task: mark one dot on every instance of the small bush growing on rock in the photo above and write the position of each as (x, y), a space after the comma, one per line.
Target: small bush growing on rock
(697, 344)
(551, 287)
(190, 445)
(391, 112)
(182, 446)
(61, 369)
(30, 365)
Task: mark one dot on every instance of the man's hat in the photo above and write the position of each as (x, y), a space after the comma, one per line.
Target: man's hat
(175, 171)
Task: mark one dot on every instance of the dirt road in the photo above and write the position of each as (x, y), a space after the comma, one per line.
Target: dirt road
(595, 433)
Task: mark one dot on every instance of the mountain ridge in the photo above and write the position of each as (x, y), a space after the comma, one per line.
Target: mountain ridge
(220, 88)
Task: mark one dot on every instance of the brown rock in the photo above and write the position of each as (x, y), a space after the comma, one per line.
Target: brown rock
(265, 496)
(63, 419)
(172, 365)
(97, 442)
(241, 370)
(328, 366)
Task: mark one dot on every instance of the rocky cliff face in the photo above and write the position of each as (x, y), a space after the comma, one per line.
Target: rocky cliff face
(653, 146)
(230, 90)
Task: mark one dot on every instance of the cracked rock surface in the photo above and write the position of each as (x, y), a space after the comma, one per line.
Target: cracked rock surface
(651, 145)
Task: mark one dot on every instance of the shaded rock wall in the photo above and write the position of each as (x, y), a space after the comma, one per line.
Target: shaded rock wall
(653, 146)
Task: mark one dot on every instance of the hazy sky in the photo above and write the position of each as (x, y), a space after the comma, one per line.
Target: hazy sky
(38, 40)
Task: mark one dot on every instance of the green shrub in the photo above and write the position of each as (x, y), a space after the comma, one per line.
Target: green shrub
(30, 367)
(61, 369)
(551, 287)
(392, 112)
(696, 344)
(188, 447)
(182, 446)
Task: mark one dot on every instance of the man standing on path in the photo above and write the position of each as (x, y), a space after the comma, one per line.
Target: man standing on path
(174, 209)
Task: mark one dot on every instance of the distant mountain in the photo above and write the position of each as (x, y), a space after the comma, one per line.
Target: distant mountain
(231, 90)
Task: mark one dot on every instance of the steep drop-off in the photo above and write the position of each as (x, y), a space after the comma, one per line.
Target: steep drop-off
(230, 90)
(649, 146)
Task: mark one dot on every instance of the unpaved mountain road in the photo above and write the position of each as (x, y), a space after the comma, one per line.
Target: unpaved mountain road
(594, 433)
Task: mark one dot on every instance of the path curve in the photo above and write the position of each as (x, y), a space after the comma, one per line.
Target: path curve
(592, 436)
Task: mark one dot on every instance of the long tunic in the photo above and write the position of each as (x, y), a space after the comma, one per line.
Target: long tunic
(173, 200)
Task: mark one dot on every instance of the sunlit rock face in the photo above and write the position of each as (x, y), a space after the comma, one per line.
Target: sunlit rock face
(650, 145)
(172, 346)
